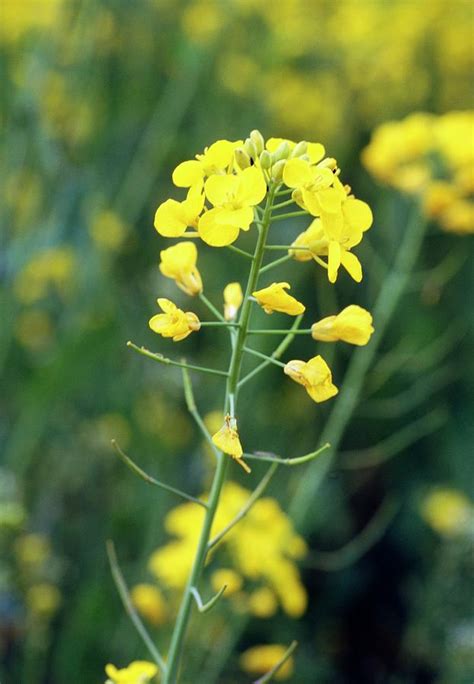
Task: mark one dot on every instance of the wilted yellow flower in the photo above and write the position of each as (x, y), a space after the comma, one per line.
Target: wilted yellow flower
(138, 672)
(274, 298)
(233, 198)
(179, 262)
(172, 217)
(448, 511)
(215, 159)
(263, 603)
(227, 440)
(315, 376)
(43, 599)
(233, 298)
(228, 578)
(149, 602)
(173, 322)
(259, 660)
(353, 324)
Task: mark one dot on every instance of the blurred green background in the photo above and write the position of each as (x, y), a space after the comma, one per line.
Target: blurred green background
(100, 100)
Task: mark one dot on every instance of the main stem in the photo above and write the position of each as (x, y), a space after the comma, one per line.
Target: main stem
(176, 646)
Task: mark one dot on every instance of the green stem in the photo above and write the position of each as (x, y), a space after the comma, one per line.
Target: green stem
(283, 204)
(218, 324)
(291, 214)
(277, 262)
(168, 362)
(389, 296)
(242, 252)
(177, 639)
(303, 331)
(254, 352)
(211, 307)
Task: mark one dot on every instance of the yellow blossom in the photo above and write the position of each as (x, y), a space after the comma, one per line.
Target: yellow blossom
(172, 217)
(233, 198)
(274, 298)
(43, 599)
(149, 602)
(233, 298)
(108, 230)
(138, 672)
(315, 376)
(259, 660)
(215, 159)
(448, 511)
(179, 262)
(228, 578)
(353, 324)
(313, 240)
(32, 550)
(263, 602)
(173, 322)
(227, 440)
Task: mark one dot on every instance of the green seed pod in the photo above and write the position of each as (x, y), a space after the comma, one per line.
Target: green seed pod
(265, 159)
(300, 149)
(277, 170)
(250, 148)
(242, 158)
(257, 138)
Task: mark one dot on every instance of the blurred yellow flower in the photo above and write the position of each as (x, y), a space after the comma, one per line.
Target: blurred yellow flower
(172, 217)
(227, 440)
(259, 660)
(233, 298)
(179, 262)
(149, 602)
(233, 198)
(263, 603)
(51, 269)
(32, 550)
(108, 230)
(138, 672)
(34, 329)
(43, 599)
(448, 511)
(274, 298)
(353, 325)
(228, 577)
(315, 376)
(173, 322)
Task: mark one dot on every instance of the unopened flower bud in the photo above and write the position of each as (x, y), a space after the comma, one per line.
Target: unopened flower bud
(281, 152)
(277, 170)
(300, 149)
(257, 138)
(242, 158)
(328, 163)
(250, 148)
(265, 159)
(305, 157)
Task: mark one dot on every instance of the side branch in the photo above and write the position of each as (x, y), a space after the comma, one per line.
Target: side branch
(130, 608)
(205, 607)
(269, 675)
(297, 460)
(151, 480)
(169, 362)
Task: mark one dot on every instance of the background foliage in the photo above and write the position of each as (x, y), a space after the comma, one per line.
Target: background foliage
(101, 99)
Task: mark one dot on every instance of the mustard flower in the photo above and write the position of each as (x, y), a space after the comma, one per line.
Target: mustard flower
(138, 672)
(259, 660)
(274, 298)
(263, 603)
(233, 198)
(227, 440)
(315, 376)
(172, 217)
(313, 240)
(215, 159)
(179, 262)
(173, 322)
(312, 183)
(447, 511)
(228, 578)
(149, 602)
(233, 298)
(353, 325)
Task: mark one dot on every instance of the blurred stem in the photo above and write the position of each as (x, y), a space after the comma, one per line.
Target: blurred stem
(179, 632)
(389, 296)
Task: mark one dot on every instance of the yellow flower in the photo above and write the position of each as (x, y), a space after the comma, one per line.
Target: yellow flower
(448, 511)
(260, 660)
(233, 298)
(108, 230)
(215, 159)
(43, 599)
(173, 322)
(353, 324)
(313, 239)
(138, 672)
(263, 602)
(172, 217)
(227, 440)
(228, 578)
(274, 298)
(149, 602)
(315, 376)
(233, 198)
(32, 550)
(179, 262)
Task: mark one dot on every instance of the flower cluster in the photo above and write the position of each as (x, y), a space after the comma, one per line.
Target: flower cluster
(430, 156)
(261, 549)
